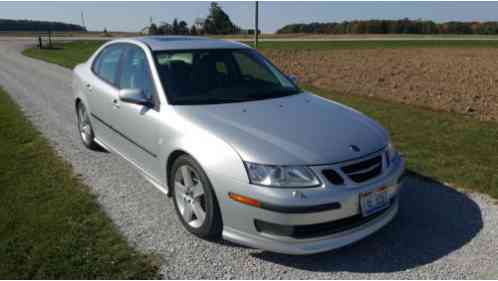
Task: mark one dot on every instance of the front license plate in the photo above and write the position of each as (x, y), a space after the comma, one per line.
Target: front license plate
(374, 201)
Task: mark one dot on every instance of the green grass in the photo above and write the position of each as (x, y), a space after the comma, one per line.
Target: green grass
(66, 54)
(447, 147)
(50, 225)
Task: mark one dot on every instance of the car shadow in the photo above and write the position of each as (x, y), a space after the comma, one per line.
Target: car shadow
(434, 220)
(101, 149)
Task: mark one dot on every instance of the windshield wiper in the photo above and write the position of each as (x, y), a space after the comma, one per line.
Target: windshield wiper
(213, 100)
(274, 93)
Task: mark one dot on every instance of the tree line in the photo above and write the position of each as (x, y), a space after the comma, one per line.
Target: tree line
(217, 22)
(33, 25)
(402, 26)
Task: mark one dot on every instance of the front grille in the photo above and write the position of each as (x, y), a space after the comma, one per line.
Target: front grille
(320, 229)
(364, 170)
(333, 177)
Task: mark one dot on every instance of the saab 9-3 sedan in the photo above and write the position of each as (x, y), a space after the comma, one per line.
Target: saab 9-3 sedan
(243, 152)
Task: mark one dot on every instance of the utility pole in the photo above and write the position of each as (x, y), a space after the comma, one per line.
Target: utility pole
(83, 19)
(256, 26)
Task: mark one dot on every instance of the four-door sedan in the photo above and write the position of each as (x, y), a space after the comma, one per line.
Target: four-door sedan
(242, 150)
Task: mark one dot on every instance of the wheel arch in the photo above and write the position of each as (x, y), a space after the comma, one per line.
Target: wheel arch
(77, 101)
(169, 164)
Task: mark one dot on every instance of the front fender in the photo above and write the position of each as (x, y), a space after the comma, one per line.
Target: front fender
(216, 156)
(78, 87)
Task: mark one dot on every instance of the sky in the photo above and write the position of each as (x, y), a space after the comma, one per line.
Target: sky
(133, 16)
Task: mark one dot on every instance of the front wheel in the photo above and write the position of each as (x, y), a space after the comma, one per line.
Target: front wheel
(194, 198)
(85, 129)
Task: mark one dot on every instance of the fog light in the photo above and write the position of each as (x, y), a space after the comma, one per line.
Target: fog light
(273, 228)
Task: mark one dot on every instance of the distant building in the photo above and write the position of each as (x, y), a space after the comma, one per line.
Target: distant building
(199, 24)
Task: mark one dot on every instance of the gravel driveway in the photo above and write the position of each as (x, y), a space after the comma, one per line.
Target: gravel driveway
(439, 232)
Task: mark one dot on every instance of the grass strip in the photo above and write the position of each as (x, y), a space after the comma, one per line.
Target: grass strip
(50, 225)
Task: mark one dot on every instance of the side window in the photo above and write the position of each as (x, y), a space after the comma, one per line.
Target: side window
(135, 72)
(106, 65)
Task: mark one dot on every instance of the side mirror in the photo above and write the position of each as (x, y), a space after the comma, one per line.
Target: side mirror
(135, 96)
(293, 78)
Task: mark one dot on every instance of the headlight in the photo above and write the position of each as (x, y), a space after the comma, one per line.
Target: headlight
(390, 153)
(281, 176)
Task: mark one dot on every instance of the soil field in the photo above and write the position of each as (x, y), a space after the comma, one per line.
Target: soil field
(449, 79)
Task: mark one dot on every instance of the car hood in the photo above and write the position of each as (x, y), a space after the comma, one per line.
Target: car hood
(301, 129)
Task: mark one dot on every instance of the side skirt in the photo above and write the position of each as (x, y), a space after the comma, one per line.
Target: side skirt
(146, 175)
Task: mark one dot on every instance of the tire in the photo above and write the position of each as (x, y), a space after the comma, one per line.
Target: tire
(85, 128)
(190, 195)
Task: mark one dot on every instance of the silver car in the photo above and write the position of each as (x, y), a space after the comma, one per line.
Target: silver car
(243, 151)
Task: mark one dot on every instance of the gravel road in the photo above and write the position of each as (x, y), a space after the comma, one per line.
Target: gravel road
(439, 233)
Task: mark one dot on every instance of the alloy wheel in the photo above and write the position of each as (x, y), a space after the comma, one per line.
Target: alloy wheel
(84, 125)
(189, 196)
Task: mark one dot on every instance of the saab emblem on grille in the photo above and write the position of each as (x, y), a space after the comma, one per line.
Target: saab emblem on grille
(354, 148)
(298, 194)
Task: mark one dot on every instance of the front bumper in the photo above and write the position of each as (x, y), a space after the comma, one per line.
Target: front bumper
(240, 225)
(306, 247)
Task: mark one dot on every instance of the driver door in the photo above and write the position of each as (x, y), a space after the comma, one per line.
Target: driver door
(136, 125)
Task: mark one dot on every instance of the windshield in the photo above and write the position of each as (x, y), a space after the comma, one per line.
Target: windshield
(220, 76)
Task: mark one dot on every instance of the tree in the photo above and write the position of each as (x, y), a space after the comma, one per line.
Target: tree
(218, 22)
(31, 25)
(165, 28)
(175, 26)
(153, 30)
(183, 27)
(193, 30)
(405, 25)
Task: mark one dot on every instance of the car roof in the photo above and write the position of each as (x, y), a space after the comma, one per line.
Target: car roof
(164, 43)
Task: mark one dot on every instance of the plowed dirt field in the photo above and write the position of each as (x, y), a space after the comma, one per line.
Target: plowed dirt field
(458, 80)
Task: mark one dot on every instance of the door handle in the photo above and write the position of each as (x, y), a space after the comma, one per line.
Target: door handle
(115, 103)
(89, 87)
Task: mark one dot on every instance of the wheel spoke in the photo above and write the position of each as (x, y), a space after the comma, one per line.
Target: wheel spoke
(187, 177)
(83, 114)
(180, 198)
(198, 190)
(180, 188)
(189, 192)
(187, 212)
(198, 211)
(86, 129)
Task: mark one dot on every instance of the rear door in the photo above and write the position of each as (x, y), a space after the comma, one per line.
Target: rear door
(103, 91)
(137, 125)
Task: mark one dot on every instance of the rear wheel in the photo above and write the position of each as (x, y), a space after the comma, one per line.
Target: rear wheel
(194, 199)
(85, 128)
